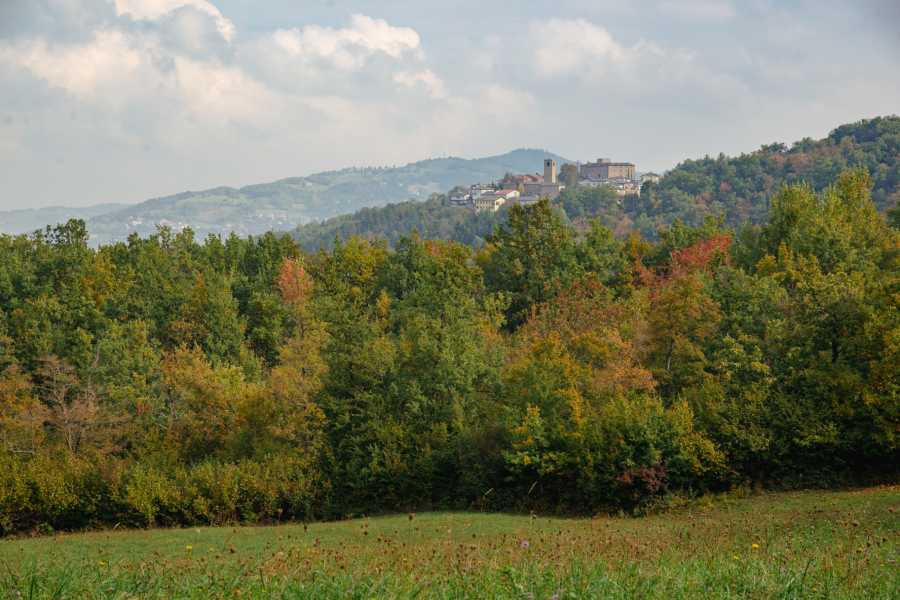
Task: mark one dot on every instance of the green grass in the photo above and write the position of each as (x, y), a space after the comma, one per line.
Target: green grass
(787, 545)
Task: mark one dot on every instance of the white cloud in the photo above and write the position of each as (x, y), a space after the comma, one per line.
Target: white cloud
(151, 10)
(348, 48)
(151, 88)
(567, 46)
(156, 72)
(427, 79)
(83, 70)
(220, 92)
(167, 95)
(123, 71)
(590, 53)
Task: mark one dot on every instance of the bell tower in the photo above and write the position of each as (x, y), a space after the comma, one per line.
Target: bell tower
(549, 170)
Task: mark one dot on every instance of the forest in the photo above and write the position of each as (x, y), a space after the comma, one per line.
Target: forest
(556, 368)
(734, 189)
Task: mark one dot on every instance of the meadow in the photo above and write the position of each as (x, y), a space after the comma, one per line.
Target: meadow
(807, 544)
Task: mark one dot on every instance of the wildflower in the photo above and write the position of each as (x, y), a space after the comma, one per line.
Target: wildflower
(754, 546)
(189, 548)
(524, 544)
(736, 557)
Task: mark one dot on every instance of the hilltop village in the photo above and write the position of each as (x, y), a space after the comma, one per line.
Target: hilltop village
(528, 188)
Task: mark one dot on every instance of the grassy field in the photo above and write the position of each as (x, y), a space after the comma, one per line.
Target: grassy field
(788, 545)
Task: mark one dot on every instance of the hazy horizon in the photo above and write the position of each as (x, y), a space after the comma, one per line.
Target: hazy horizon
(118, 101)
(294, 175)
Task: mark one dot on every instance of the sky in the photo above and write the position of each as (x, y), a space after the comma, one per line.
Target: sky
(123, 100)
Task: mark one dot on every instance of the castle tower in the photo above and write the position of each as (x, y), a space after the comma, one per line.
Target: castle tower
(549, 170)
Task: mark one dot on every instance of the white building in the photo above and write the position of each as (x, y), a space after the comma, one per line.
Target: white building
(494, 199)
(649, 177)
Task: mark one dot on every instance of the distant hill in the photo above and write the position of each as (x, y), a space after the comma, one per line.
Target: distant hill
(388, 202)
(30, 219)
(282, 205)
(735, 188)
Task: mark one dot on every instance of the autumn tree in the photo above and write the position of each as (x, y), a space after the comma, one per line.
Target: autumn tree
(74, 411)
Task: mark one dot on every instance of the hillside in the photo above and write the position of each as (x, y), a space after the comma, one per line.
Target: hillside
(432, 219)
(739, 188)
(736, 188)
(281, 205)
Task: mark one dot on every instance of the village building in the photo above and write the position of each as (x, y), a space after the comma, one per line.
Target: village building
(459, 196)
(518, 181)
(548, 187)
(618, 176)
(494, 199)
(524, 189)
(606, 170)
(649, 178)
(622, 187)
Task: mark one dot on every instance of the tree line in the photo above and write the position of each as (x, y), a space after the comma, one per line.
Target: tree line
(165, 381)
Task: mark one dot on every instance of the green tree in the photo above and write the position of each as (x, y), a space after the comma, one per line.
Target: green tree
(568, 175)
(530, 258)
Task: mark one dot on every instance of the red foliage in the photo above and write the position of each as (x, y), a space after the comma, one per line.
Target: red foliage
(642, 482)
(699, 256)
(800, 163)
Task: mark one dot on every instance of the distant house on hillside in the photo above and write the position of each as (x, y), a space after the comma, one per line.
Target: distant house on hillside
(493, 200)
(518, 182)
(459, 196)
(649, 178)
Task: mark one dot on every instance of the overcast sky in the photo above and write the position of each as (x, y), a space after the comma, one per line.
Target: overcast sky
(122, 100)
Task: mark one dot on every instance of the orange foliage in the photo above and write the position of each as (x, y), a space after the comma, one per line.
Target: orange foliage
(435, 248)
(592, 328)
(294, 283)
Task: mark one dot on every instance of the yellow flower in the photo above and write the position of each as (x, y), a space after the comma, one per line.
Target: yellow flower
(754, 546)
(188, 548)
(736, 557)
